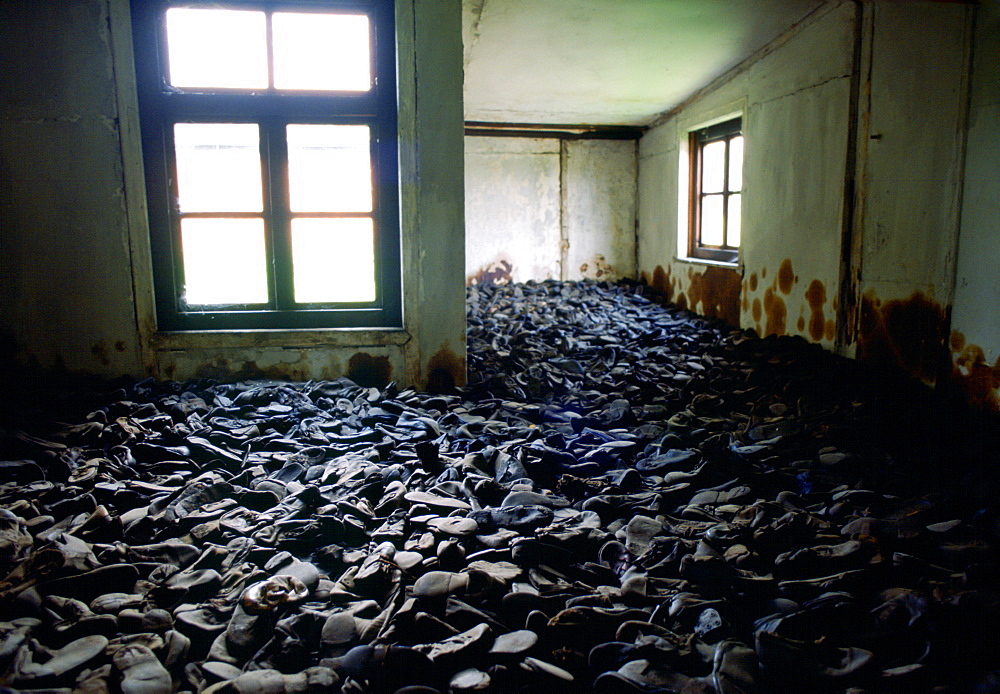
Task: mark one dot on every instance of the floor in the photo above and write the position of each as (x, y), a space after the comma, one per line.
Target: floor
(624, 499)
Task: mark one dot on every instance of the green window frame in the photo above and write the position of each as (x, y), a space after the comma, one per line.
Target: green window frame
(284, 236)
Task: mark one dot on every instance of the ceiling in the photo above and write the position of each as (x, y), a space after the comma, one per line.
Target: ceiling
(606, 62)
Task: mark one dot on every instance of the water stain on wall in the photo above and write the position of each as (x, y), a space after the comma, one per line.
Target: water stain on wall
(774, 309)
(717, 290)
(100, 350)
(369, 371)
(223, 369)
(662, 283)
(786, 276)
(972, 376)
(445, 372)
(906, 334)
(816, 298)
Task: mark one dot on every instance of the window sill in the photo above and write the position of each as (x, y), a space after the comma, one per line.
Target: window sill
(294, 339)
(704, 261)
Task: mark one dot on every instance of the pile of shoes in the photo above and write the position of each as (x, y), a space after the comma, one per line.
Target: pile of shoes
(625, 499)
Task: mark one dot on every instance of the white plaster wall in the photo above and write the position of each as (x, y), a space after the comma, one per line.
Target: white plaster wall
(530, 199)
(976, 311)
(795, 102)
(66, 298)
(512, 211)
(656, 236)
(913, 158)
(600, 193)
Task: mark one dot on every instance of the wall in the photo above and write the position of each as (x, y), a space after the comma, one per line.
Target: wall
(795, 99)
(512, 209)
(76, 291)
(542, 208)
(856, 139)
(66, 298)
(910, 158)
(975, 335)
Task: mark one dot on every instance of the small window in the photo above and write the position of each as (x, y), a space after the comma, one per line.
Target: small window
(269, 139)
(716, 191)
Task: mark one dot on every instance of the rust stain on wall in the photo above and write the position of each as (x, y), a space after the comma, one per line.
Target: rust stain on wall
(223, 369)
(801, 324)
(369, 371)
(774, 309)
(977, 381)
(717, 289)
(664, 282)
(498, 272)
(753, 281)
(908, 334)
(763, 273)
(830, 330)
(816, 297)
(445, 371)
(786, 276)
(755, 311)
(100, 351)
(956, 341)
(682, 302)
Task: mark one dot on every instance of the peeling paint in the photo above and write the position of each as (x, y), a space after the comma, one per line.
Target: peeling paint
(498, 272)
(597, 268)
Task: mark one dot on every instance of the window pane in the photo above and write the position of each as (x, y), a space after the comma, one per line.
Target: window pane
(713, 166)
(217, 48)
(736, 163)
(224, 261)
(329, 168)
(733, 222)
(334, 260)
(711, 220)
(218, 167)
(321, 51)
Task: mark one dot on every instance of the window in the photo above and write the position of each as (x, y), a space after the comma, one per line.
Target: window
(716, 191)
(269, 140)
